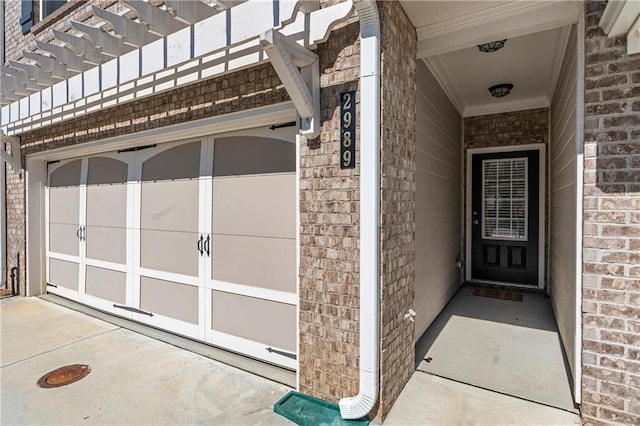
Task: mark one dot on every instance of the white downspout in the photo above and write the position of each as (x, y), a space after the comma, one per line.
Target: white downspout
(360, 405)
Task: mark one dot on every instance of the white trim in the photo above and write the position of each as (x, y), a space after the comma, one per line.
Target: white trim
(253, 349)
(495, 23)
(540, 102)
(435, 66)
(577, 379)
(257, 117)
(253, 292)
(487, 16)
(561, 49)
(541, 203)
(36, 176)
(619, 16)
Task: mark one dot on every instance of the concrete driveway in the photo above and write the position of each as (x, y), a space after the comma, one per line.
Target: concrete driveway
(134, 379)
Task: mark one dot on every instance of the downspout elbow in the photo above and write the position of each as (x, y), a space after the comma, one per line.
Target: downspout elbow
(360, 405)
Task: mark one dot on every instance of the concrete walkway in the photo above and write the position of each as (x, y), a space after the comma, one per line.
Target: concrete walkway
(139, 380)
(432, 400)
(134, 379)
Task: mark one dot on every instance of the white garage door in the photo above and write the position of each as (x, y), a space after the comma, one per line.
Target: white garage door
(197, 237)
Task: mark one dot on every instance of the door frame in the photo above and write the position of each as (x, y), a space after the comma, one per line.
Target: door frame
(542, 194)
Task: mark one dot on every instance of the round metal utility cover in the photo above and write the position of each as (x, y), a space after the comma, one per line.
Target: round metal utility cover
(64, 376)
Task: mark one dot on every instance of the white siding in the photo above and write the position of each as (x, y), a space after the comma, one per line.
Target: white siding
(563, 151)
(438, 199)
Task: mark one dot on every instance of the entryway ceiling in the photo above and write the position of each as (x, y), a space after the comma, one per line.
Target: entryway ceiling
(449, 33)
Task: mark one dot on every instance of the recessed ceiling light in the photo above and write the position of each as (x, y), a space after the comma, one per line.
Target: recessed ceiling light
(492, 46)
(500, 90)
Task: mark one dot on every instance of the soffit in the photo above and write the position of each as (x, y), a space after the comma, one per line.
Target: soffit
(448, 34)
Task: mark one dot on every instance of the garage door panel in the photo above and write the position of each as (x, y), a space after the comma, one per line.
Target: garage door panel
(63, 239)
(107, 244)
(107, 205)
(64, 205)
(264, 321)
(106, 284)
(174, 252)
(170, 205)
(258, 205)
(66, 175)
(255, 261)
(245, 155)
(179, 301)
(179, 162)
(64, 274)
(105, 170)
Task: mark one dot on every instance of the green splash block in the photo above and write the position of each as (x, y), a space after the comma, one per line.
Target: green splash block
(305, 410)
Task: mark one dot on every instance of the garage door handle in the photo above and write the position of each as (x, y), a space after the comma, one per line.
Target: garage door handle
(206, 245)
(78, 233)
(200, 244)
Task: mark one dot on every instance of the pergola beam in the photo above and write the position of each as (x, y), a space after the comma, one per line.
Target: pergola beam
(190, 12)
(65, 56)
(83, 47)
(110, 44)
(159, 22)
(132, 33)
(40, 75)
(57, 69)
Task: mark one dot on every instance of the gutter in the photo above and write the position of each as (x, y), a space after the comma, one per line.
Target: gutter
(360, 405)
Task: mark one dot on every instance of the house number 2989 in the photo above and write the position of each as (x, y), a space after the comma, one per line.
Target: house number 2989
(347, 130)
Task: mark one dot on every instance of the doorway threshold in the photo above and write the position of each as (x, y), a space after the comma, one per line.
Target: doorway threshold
(503, 285)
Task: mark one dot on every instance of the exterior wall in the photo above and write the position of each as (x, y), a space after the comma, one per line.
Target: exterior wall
(438, 199)
(563, 151)
(507, 129)
(330, 234)
(611, 280)
(398, 150)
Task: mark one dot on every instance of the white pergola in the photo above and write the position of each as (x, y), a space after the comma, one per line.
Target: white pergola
(165, 47)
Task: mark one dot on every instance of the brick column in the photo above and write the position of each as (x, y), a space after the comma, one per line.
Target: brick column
(398, 186)
(611, 294)
(330, 234)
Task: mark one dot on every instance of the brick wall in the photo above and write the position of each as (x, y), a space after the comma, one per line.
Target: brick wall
(398, 186)
(330, 235)
(506, 129)
(611, 275)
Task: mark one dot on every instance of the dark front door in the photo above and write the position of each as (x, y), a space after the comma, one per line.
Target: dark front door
(504, 221)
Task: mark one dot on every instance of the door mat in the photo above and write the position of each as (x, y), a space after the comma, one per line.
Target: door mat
(496, 293)
(305, 410)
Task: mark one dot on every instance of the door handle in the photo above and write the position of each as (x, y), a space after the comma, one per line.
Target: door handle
(83, 234)
(206, 245)
(475, 221)
(200, 244)
(79, 233)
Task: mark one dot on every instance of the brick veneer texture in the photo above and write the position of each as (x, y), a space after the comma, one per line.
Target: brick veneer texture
(398, 185)
(611, 257)
(330, 235)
